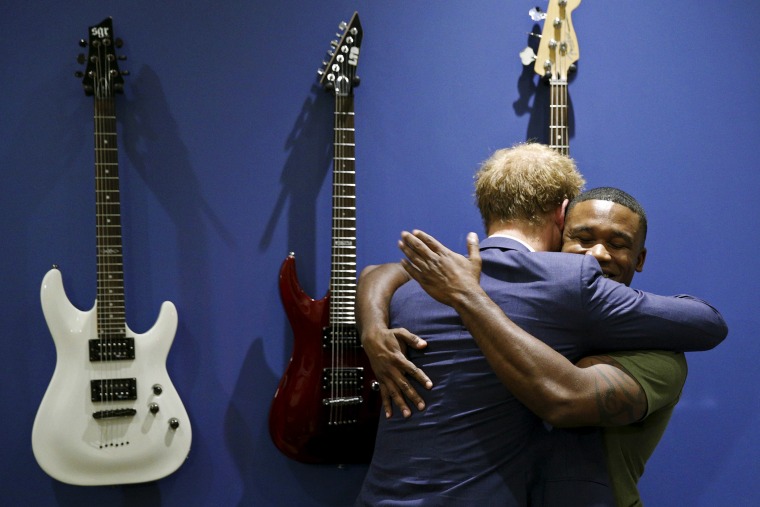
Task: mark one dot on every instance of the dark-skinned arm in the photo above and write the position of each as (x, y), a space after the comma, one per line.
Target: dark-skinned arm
(597, 391)
(386, 347)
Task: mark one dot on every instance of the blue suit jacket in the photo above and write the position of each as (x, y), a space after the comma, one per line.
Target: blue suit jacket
(475, 444)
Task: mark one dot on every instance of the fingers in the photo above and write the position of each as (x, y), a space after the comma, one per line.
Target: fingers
(473, 251)
(419, 375)
(409, 338)
(397, 392)
(421, 251)
(391, 396)
(429, 241)
(473, 245)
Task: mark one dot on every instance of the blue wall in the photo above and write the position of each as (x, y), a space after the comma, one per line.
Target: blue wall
(225, 146)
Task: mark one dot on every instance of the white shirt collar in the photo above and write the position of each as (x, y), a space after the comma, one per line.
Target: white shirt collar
(502, 235)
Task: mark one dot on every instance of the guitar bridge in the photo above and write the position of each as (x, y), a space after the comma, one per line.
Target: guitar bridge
(113, 414)
(342, 402)
(118, 389)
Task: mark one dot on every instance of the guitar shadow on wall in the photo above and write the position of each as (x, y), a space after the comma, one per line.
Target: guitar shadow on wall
(306, 167)
(157, 154)
(531, 85)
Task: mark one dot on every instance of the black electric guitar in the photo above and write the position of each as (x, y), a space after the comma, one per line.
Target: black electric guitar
(110, 414)
(327, 404)
(557, 53)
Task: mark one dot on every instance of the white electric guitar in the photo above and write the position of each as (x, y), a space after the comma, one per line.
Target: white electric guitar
(110, 414)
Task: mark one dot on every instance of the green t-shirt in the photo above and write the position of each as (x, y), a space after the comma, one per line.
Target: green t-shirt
(662, 375)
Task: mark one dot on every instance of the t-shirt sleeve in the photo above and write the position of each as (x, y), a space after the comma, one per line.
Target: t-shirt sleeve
(661, 374)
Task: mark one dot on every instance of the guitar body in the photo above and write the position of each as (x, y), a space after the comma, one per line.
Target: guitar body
(301, 424)
(69, 443)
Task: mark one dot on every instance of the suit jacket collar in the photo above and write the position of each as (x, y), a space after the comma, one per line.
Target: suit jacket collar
(502, 243)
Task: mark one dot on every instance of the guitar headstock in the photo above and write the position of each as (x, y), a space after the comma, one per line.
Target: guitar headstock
(339, 73)
(102, 77)
(558, 49)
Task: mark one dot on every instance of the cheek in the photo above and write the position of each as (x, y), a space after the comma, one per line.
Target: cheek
(571, 247)
(626, 262)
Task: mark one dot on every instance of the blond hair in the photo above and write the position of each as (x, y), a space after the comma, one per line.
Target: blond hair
(525, 182)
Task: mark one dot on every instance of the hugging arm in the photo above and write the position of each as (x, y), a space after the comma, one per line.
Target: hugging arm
(386, 347)
(597, 391)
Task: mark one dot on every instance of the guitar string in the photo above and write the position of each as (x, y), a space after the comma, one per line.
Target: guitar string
(559, 131)
(344, 250)
(101, 336)
(105, 247)
(335, 291)
(109, 308)
(335, 337)
(340, 211)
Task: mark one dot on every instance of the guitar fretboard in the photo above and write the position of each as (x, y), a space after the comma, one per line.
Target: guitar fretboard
(343, 269)
(558, 131)
(110, 275)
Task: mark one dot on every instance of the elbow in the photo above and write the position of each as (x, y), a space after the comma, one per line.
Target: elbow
(558, 406)
(561, 415)
(367, 270)
(710, 327)
(713, 334)
(721, 332)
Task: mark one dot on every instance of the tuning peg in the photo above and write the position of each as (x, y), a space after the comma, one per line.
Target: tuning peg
(79, 74)
(80, 58)
(119, 43)
(342, 25)
(355, 81)
(536, 14)
(122, 57)
(527, 56)
(124, 73)
(334, 43)
(83, 43)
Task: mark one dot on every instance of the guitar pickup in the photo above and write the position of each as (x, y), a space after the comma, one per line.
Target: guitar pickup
(340, 335)
(343, 379)
(112, 349)
(113, 414)
(118, 389)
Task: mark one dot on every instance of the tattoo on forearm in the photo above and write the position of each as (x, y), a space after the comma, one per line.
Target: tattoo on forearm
(619, 397)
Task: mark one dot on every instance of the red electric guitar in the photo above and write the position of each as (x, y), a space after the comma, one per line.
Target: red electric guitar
(327, 404)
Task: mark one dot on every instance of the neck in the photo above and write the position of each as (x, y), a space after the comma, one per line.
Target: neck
(542, 238)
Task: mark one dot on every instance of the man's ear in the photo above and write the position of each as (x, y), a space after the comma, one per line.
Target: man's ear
(559, 215)
(640, 260)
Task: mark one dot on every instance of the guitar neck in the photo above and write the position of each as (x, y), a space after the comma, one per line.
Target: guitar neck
(559, 138)
(343, 267)
(110, 276)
